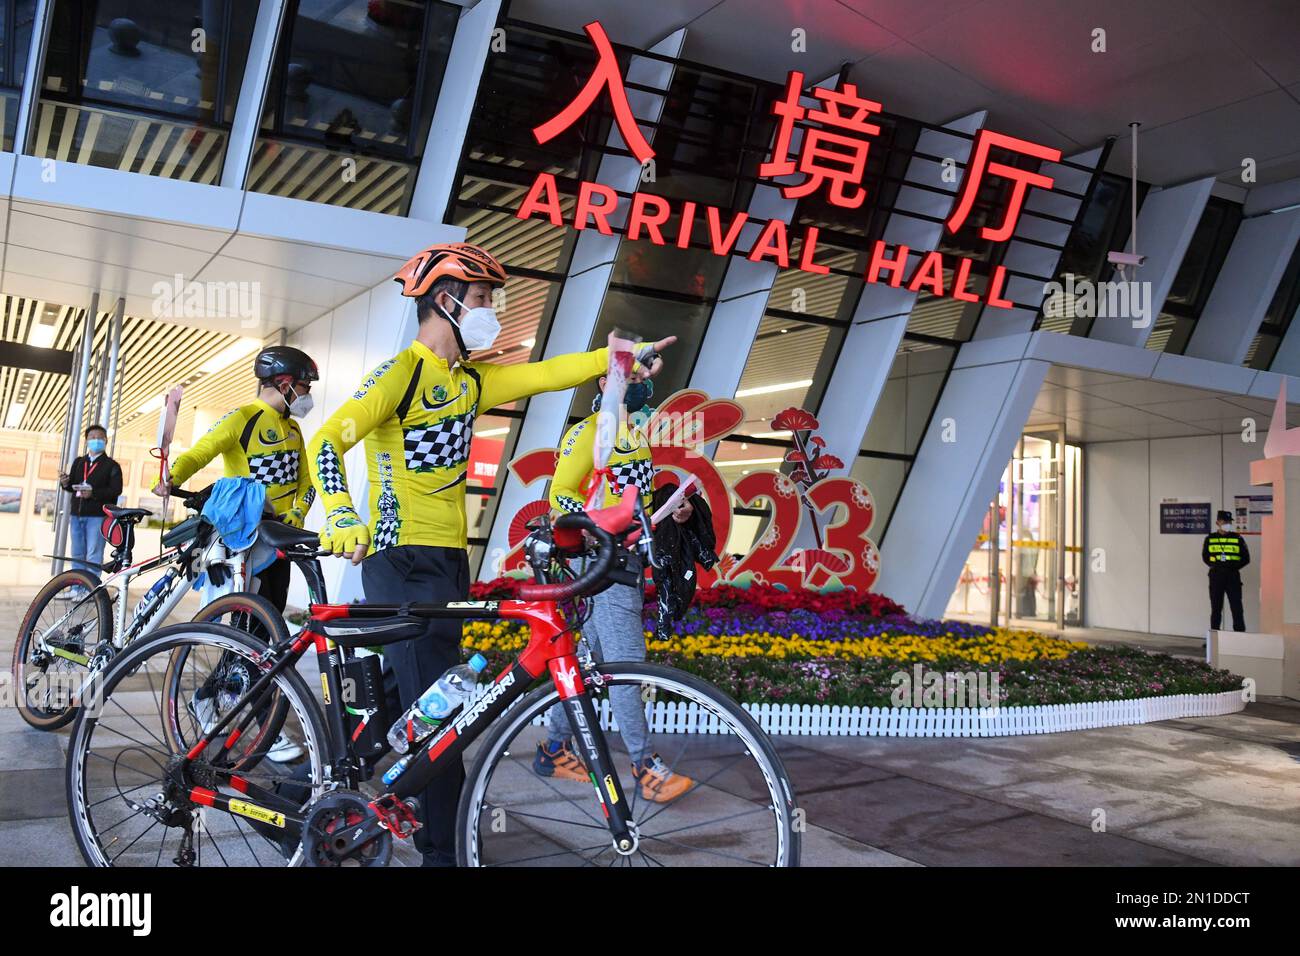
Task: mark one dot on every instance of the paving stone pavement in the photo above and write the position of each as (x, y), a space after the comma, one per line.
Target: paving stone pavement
(1193, 792)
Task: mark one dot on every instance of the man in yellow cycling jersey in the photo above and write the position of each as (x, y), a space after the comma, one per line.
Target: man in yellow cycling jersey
(416, 413)
(615, 629)
(262, 441)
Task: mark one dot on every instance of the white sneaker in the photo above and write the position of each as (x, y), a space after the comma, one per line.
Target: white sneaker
(284, 749)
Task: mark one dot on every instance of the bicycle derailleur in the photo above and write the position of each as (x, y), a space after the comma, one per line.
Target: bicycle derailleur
(347, 828)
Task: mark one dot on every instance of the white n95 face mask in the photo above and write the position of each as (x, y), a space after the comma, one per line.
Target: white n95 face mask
(479, 327)
(301, 405)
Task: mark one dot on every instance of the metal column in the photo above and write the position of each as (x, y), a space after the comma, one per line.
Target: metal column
(77, 398)
(1060, 526)
(109, 381)
(995, 589)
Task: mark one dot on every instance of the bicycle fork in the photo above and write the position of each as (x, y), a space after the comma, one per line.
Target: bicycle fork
(581, 710)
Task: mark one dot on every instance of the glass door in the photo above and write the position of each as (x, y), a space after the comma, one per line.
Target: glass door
(1025, 565)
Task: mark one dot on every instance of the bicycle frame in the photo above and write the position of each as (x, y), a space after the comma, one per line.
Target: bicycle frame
(124, 631)
(550, 652)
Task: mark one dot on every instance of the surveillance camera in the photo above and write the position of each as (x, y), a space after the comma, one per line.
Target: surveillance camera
(1125, 258)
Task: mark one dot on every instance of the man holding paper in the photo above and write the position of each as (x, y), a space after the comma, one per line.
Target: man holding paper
(95, 480)
(590, 468)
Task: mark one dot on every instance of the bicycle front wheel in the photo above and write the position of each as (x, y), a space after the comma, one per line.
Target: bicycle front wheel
(130, 801)
(727, 801)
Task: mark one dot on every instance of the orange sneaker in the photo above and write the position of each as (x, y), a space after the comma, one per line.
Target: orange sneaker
(555, 759)
(658, 783)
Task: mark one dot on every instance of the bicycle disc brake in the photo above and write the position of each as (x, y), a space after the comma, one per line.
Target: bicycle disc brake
(333, 822)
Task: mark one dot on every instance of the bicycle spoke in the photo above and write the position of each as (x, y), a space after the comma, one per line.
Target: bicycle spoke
(726, 856)
(705, 823)
(558, 793)
(537, 816)
(696, 786)
(135, 841)
(119, 795)
(141, 726)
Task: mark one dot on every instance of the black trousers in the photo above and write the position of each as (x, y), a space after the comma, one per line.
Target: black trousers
(1228, 585)
(273, 583)
(415, 573)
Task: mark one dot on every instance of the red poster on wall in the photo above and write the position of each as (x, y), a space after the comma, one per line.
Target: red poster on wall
(484, 460)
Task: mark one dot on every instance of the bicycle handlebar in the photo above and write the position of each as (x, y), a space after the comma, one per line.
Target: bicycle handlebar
(606, 525)
(589, 580)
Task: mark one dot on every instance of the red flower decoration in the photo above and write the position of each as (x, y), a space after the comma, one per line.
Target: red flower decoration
(795, 454)
(827, 463)
(794, 420)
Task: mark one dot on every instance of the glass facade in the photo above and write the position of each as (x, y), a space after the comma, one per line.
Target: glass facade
(713, 132)
(1200, 267)
(15, 41)
(143, 87)
(498, 164)
(352, 93)
(1278, 317)
(1104, 224)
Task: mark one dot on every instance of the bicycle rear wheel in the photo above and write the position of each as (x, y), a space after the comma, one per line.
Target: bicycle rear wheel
(129, 802)
(739, 809)
(194, 704)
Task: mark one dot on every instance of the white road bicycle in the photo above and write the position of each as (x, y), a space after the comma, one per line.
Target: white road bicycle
(76, 624)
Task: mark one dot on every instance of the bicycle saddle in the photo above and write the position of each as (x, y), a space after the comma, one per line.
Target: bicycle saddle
(126, 514)
(279, 535)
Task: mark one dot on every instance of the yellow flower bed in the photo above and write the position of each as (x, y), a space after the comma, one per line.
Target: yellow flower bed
(1003, 644)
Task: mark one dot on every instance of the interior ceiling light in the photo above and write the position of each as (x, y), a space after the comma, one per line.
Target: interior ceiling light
(239, 349)
(768, 389)
(41, 335)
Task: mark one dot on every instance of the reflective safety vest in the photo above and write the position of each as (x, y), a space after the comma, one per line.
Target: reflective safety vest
(1226, 552)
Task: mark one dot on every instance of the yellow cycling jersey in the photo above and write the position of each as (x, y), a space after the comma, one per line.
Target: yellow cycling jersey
(255, 441)
(416, 414)
(629, 462)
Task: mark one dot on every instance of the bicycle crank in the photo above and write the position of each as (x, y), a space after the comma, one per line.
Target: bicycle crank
(342, 829)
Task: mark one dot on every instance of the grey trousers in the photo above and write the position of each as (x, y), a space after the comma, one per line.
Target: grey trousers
(615, 632)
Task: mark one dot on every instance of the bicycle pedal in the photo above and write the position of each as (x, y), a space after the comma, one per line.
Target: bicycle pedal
(397, 816)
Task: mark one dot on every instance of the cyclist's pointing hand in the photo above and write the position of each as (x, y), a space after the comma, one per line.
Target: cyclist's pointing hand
(642, 373)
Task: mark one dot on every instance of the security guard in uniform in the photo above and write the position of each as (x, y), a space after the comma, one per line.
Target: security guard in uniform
(1225, 554)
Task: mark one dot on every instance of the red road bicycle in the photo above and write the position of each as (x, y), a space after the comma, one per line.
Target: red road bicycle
(144, 792)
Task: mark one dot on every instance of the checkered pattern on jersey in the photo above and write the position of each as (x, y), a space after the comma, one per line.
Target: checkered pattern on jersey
(566, 503)
(386, 533)
(639, 472)
(329, 470)
(440, 445)
(277, 468)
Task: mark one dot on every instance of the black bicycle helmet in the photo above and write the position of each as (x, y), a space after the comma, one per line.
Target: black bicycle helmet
(278, 360)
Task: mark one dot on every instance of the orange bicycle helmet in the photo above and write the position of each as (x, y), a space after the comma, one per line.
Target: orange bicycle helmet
(448, 260)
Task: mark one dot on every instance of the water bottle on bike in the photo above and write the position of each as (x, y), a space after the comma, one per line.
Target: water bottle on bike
(149, 603)
(448, 692)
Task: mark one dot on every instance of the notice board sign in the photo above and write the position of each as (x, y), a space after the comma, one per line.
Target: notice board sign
(1251, 511)
(1185, 517)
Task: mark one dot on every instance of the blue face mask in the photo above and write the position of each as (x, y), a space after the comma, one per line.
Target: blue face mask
(95, 446)
(635, 397)
(638, 395)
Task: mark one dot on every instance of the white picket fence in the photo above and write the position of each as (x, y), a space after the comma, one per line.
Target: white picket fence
(836, 721)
